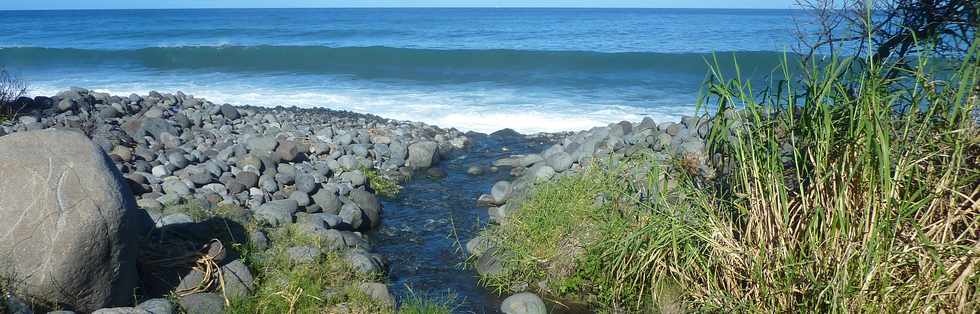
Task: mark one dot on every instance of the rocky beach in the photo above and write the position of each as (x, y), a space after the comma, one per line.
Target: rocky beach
(182, 167)
(516, 160)
(172, 169)
(145, 171)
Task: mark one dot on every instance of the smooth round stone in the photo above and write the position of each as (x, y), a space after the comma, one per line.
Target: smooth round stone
(177, 159)
(306, 183)
(542, 173)
(436, 173)
(352, 215)
(248, 179)
(560, 161)
(523, 303)
(173, 185)
(356, 178)
(302, 199)
(160, 171)
(268, 183)
(474, 170)
(501, 191)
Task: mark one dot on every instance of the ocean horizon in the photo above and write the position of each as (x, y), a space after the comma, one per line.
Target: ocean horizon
(474, 69)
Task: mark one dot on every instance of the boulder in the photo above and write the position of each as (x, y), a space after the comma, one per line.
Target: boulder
(378, 292)
(69, 225)
(523, 303)
(277, 212)
(155, 127)
(303, 254)
(369, 204)
(560, 161)
(501, 191)
(238, 279)
(422, 154)
(230, 112)
(327, 200)
(202, 303)
(364, 262)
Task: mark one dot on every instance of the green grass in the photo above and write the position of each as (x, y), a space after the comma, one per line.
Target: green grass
(383, 185)
(320, 287)
(417, 304)
(195, 211)
(845, 191)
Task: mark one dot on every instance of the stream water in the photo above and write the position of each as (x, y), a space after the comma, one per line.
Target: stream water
(427, 225)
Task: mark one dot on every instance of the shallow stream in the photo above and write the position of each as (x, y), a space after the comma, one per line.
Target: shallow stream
(426, 227)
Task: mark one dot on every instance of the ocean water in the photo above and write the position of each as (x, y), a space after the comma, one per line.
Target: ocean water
(532, 70)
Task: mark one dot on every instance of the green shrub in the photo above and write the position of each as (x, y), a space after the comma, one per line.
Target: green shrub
(10, 89)
(383, 185)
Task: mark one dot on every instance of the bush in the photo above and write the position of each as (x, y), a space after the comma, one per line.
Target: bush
(11, 89)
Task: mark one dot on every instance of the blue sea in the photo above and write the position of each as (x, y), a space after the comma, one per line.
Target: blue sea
(532, 70)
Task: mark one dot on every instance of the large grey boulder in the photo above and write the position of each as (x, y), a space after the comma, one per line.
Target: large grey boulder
(69, 225)
(501, 191)
(369, 204)
(328, 200)
(422, 154)
(230, 112)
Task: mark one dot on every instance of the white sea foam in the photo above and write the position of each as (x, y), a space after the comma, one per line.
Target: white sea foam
(467, 108)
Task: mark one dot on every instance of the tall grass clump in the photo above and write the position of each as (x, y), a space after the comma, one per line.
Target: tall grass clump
(853, 186)
(850, 191)
(419, 304)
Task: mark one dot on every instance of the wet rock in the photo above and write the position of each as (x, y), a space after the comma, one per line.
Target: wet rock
(478, 245)
(501, 191)
(485, 200)
(488, 264)
(369, 204)
(474, 170)
(436, 173)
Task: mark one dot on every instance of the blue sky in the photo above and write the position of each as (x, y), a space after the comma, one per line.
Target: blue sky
(157, 4)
